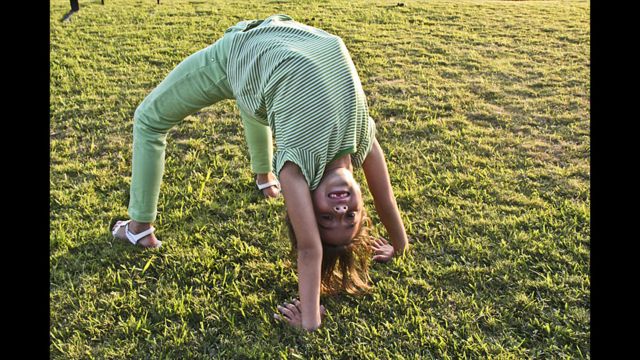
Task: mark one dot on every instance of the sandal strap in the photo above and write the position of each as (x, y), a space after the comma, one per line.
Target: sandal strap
(268, 184)
(133, 238)
(119, 224)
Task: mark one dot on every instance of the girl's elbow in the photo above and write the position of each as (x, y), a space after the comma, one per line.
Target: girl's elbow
(310, 251)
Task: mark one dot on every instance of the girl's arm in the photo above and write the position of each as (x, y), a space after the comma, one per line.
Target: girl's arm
(300, 210)
(377, 175)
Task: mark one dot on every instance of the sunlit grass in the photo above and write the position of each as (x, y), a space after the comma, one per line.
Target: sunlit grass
(482, 108)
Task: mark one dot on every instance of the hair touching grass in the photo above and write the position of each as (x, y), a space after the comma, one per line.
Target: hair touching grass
(344, 267)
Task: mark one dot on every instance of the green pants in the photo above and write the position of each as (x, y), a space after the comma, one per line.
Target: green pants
(198, 81)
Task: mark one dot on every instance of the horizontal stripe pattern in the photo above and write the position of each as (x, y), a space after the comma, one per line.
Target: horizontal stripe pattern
(301, 82)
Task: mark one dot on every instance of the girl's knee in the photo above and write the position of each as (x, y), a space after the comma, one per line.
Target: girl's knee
(147, 119)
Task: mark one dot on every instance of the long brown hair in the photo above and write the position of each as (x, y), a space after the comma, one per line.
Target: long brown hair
(344, 267)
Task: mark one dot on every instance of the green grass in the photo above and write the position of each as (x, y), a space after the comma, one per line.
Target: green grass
(483, 110)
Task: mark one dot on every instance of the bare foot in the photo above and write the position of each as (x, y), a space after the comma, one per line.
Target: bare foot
(149, 241)
(271, 191)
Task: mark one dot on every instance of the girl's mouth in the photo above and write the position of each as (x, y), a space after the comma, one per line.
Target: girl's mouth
(338, 195)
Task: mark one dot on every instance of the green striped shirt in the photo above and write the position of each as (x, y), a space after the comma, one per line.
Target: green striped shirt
(301, 82)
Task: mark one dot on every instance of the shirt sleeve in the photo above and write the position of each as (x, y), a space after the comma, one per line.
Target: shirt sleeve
(308, 163)
(365, 143)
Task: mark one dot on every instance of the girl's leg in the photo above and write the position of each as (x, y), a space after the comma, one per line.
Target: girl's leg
(260, 144)
(197, 82)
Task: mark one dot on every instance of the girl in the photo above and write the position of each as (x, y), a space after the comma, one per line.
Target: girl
(298, 84)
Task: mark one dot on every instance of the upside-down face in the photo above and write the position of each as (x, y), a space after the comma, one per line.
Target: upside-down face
(338, 206)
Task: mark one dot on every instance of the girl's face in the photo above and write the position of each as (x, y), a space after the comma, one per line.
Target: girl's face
(337, 202)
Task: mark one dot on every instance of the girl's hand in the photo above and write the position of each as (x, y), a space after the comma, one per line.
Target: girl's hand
(383, 251)
(292, 315)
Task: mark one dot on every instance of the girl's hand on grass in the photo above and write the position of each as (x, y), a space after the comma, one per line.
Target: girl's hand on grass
(382, 250)
(292, 315)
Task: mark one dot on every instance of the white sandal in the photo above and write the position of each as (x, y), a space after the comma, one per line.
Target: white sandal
(134, 238)
(269, 184)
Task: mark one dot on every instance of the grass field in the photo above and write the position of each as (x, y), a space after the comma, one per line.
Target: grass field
(483, 110)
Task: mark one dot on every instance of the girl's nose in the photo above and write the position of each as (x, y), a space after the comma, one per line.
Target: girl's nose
(341, 209)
